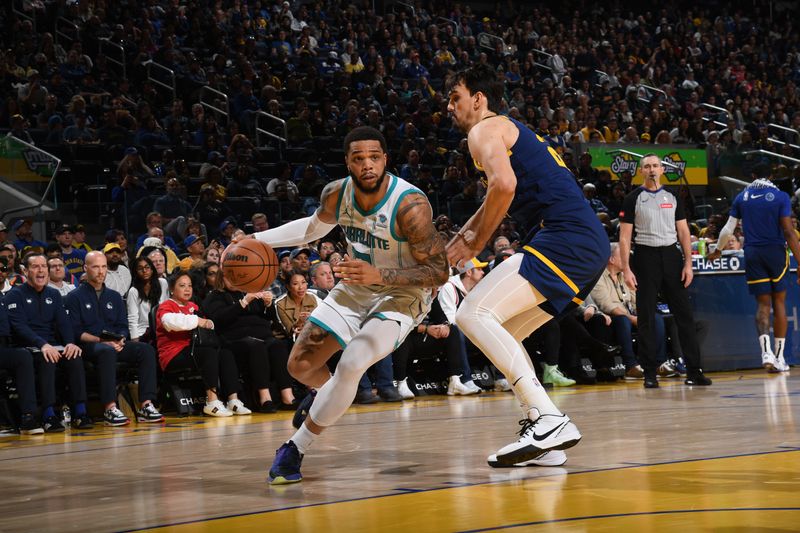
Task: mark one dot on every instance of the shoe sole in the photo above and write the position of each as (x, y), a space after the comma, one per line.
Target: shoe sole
(150, 421)
(37, 431)
(496, 464)
(532, 452)
(280, 480)
(116, 424)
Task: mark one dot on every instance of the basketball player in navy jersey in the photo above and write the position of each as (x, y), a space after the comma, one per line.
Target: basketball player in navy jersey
(766, 215)
(565, 254)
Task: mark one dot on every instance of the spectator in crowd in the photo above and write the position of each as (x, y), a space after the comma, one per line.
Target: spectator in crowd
(322, 280)
(590, 193)
(39, 321)
(450, 295)
(157, 257)
(260, 222)
(155, 220)
(195, 248)
(20, 362)
(79, 238)
(57, 273)
(281, 185)
(295, 307)
(79, 132)
(241, 322)
(226, 229)
(99, 322)
(175, 320)
(73, 258)
(23, 229)
(171, 260)
(300, 260)
(146, 292)
(172, 204)
(118, 277)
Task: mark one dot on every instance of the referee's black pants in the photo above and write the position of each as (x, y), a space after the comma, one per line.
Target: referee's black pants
(659, 269)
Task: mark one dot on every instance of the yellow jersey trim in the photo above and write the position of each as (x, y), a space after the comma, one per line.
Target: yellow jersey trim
(773, 280)
(555, 269)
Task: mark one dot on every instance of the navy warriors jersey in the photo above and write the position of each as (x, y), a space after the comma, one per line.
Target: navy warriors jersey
(760, 207)
(371, 234)
(567, 246)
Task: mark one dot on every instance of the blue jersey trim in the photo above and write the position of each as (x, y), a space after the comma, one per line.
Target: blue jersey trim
(327, 328)
(385, 198)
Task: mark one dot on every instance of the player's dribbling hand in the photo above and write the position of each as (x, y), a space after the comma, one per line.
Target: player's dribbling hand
(357, 272)
(239, 238)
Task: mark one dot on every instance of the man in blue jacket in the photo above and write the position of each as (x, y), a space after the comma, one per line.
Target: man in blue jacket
(20, 362)
(39, 322)
(100, 323)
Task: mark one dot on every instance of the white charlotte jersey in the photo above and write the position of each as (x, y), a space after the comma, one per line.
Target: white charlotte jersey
(370, 234)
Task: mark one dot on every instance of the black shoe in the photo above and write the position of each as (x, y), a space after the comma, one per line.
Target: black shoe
(82, 422)
(698, 379)
(650, 383)
(390, 394)
(303, 409)
(288, 406)
(52, 424)
(30, 426)
(365, 397)
(268, 407)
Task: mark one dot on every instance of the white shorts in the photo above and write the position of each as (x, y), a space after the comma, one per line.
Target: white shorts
(347, 307)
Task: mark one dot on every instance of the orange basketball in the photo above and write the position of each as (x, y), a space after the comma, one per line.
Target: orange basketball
(250, 265)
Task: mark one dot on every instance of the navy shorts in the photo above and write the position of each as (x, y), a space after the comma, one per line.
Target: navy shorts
(564, 266)
(766, 269)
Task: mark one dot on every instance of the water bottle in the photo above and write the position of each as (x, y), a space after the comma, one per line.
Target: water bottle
(66, 415)
(701, 247)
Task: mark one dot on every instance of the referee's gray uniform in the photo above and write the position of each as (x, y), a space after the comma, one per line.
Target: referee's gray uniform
(657, 263)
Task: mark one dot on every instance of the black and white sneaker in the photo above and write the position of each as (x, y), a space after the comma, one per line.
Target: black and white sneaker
(149, 414)
(114, 417)
(52, 424)
(30, 426)
(82, 422)
(548, 458)
(548, 432)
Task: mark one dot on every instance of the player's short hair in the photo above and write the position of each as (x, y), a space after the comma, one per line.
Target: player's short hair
(480, 78)
(364, 133)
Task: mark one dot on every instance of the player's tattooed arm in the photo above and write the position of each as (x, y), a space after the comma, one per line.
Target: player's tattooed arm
(415, 223)
(326, 211)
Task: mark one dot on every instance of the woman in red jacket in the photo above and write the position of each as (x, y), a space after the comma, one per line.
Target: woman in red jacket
(175, 320)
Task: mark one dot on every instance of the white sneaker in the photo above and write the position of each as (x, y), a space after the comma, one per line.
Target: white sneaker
(548, 458)
(237, 407)
(404, 390)
(780, 365)
(456, 388)
(472, 386)
(768, 362)
(501, 385)
(548, 432)
(216, 408)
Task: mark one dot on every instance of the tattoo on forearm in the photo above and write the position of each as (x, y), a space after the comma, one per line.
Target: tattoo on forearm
(427, 247)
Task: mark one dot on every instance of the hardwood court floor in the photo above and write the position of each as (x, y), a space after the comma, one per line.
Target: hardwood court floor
(723, 459)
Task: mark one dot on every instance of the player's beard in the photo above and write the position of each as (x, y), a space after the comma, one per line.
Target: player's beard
(369, 190)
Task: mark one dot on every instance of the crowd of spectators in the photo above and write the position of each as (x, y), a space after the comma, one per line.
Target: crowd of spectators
(183, 178)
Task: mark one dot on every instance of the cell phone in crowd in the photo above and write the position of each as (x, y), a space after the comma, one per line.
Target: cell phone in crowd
(106, 335)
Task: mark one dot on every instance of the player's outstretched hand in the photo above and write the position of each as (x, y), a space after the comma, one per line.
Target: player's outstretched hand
(357, 272)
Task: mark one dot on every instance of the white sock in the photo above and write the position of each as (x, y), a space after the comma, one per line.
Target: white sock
(303, 439)
(779, 347)
(763, 341)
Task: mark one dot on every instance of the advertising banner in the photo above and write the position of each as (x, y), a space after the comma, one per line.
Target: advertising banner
(692, 161)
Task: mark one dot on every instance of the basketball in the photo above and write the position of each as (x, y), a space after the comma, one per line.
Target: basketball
(250, 265)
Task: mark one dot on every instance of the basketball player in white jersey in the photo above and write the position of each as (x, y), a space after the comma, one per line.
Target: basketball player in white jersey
(395, 258)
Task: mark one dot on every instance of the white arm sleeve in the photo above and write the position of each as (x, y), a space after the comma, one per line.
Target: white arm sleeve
(179, 321)
(296, 232)
(726, 233)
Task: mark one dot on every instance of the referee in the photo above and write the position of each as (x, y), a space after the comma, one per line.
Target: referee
(659, 222)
